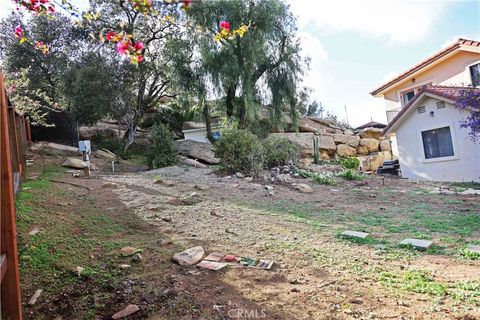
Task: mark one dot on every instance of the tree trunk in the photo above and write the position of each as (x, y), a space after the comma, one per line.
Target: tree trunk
(229, 101)
(206, 115)
(241, 115)
(131, 130)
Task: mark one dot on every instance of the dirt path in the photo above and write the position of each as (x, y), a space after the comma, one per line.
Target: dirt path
(317, 276)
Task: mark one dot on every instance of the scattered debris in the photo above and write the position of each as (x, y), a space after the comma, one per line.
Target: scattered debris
(124, 266)
(249, 262)
(229, 258)
(212, 265)
(265, 264)
(34, 232)
(130, 309)
(35, 296)
(129, 251)
(215, 256)
(190, 256)
(354, 234)
(417, 243)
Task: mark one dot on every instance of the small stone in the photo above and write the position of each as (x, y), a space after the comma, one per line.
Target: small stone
(474, 248)
(129, 251)
(379, 247)
(167, 219)
(124, 266)
(267, 187)
(271, 193)
(137, 257)
(418, 243)
(213, 213)
(158, 181)
(201, 187)
(109, 185)
(249, 179)
(35, 297)
(354, 234)
(294, 290)
(34, 231)
(230, 231)
(130, 309)
(190, 256)
(356, 301)
(303, 188)
(78, 271)
(239, 175)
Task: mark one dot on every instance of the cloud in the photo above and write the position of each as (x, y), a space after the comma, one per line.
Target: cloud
(395, 21)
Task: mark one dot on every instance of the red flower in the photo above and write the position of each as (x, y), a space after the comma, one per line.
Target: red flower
(225, 25)
(139, 58)
(139, 46)
(123, 46)
(187, 3)
(110, 35)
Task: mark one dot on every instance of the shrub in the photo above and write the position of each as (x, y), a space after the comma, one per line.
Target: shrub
(279, 151)
(350, 163)
(317, 177)
(239, 151)
(162, 151)
(350, 174)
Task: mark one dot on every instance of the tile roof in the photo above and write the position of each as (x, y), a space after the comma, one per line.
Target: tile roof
(456, 45)
(448, 92)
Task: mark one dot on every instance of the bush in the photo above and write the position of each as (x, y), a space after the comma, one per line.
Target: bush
(279, 151)
(162, 151)
(350, 174)
(316, 177)
(239, 151)
(350, 163)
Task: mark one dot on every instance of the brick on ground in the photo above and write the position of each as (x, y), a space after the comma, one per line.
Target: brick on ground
(474, 248)
(418, 243)
(354, 234)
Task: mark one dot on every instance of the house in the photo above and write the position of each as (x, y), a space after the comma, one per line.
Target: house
(423, 122)
(371, 124)
(197, 131)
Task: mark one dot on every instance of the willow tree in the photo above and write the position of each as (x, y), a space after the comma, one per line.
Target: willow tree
(262, 67)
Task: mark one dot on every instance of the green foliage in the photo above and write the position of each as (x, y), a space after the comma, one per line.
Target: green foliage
(317, 177)
(349, 163)
(350, 174)
(279, 151)
(239, 151)
(162, 151)
(102, 141)
(468, 254)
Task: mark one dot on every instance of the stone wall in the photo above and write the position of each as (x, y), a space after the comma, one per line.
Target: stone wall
(368, 145)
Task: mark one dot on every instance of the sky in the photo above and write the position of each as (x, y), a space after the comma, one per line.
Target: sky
(356, 45)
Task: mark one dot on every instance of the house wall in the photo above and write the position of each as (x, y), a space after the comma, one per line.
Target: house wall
(199, 135)
(452, 71)
(463, 166)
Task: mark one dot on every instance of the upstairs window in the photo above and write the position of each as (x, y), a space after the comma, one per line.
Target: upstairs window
(437, 143)
(407, 96)
(475, 74)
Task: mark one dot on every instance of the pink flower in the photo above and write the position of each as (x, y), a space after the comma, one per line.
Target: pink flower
(110, 35)
(139, 58)
(139, 46)
(51, 9)
(19, 31)
(225, 25)
(123, 46)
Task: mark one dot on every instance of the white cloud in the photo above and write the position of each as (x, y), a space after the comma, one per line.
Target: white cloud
(366, 111)
(389, 76)
(396, 21)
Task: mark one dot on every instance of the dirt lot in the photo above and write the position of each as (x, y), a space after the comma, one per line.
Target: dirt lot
(317, 274)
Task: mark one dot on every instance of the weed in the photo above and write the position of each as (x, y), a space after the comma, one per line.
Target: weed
(350, 174)
(468, 254)
(317, 177)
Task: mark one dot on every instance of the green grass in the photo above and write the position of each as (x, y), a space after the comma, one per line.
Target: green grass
(350, 174)
(462, 186)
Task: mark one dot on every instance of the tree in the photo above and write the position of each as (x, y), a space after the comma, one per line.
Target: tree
(264, 64)
(470, 102)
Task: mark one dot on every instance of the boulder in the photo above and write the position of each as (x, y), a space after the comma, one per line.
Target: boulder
(371, 133)
(76, 164)
(105, 154)
(197, 150)
(344, 150)
(352, 141)
(192, 163)
(55, 149)
(362, 151)
(302, 140)
(190, 256)
(326, 142)
(385, 145)
(303, 188)
(102, 128)
(308, 125)
(374, 161)
(370, 144)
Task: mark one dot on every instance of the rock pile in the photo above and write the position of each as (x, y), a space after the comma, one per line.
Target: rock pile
(368, 145)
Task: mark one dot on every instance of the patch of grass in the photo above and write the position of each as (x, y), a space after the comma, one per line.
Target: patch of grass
(468, 254)
(368, 240)
(462, 186)
(418, 281)
(316, 177)
(350, 174)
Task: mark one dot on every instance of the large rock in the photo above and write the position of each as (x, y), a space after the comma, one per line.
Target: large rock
(102, 128)
(190, 256)
(75, 164)
(192, 163)
(352, 141)
(197, 150)
(371, 133)
(362, 151)
(370, 144)
(385, 145)
(374, 161)
(55, 149)
(308, 125)
(302, 140)
(105, 154)
(344, 150)
(326, 142)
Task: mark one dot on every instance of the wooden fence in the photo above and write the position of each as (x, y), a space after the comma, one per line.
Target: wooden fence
(14, 138)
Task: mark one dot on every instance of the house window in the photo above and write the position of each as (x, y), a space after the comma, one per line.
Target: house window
(407, 96)
(437, 143)
(475, 74)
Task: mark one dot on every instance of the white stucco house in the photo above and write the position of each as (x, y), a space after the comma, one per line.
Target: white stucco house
(423, 122)
(431, 143)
